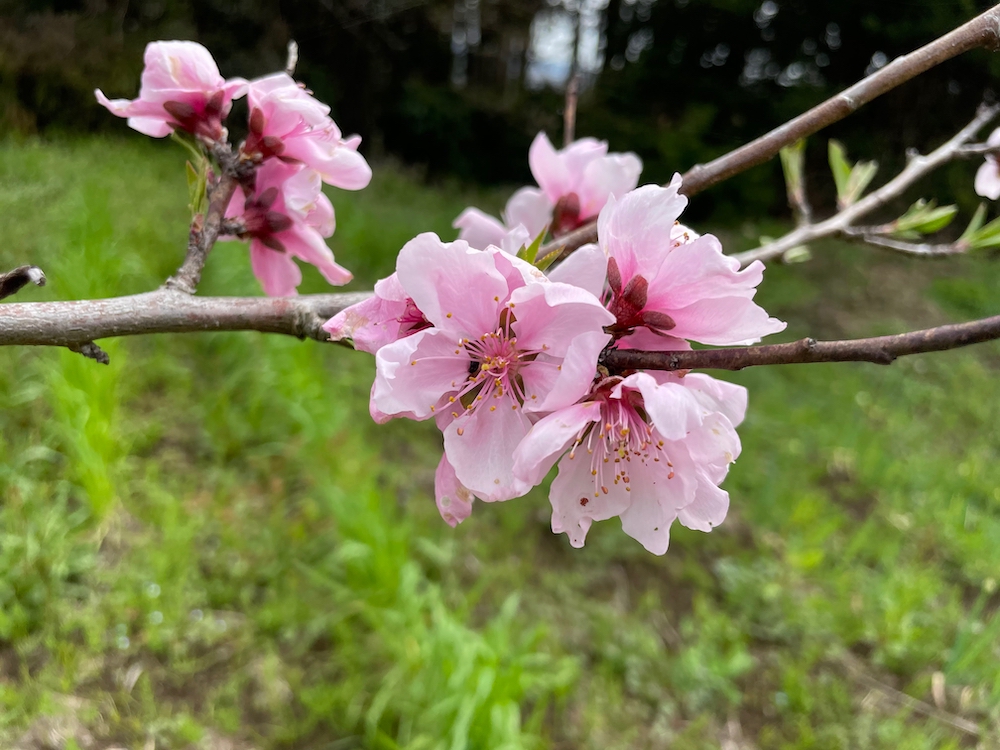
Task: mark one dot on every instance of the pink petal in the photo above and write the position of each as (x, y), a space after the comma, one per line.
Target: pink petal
(673, 410)
(614, 174)
(635, 229)
(576, 504)
(549, 438)
(728, 321)
(708, 509)
(479, 229)
(441, 278)
(373, 323)
(559, 386)
(404, 387)
(454, 501)
(698, 270)
(988, 179)
(550, 316)
(306, 243)
(483, 454)
(532, 208)
(586, 268)
(655, 500)
(719, 395)
(549, 171)
(276, 272)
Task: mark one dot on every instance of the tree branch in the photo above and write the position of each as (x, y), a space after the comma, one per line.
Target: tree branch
(205, 230)
(981, 31)
(13, 281)
(870, 236)
(881, 350)
(840, 223)
(75, 324)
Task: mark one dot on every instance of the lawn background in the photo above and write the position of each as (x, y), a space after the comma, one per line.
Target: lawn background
(208, 544)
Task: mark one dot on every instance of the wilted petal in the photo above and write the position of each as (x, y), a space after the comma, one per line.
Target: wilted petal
(454, 501)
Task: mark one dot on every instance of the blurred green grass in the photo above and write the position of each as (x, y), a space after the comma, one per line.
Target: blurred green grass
(208, 544)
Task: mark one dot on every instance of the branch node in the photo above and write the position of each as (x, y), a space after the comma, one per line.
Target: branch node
(13, 281)
(90, 350)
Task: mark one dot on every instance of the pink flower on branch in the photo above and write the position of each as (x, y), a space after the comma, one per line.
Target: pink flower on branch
(648, 449)
(390, 314)
(181, 89)
(287, 216)
(668, 282)
(287, 122)
(574, 185)
(505, 345)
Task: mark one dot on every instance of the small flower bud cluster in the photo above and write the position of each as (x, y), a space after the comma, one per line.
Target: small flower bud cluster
(292, 141)
(506, 359)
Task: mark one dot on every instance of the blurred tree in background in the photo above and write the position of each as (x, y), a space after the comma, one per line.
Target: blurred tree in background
(461, 86)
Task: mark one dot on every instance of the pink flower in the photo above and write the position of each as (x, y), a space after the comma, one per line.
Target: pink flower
(648, 449)
(287, 216)
(988, 176)
(504, 346)
(389, 314)
(664, 280)
(181, 88)
(287, 122)
(575, 184)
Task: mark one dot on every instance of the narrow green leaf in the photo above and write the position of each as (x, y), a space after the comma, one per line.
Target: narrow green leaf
(858, 181)
(529, 252)
(839, 166)
(975, 224)
(793, 166)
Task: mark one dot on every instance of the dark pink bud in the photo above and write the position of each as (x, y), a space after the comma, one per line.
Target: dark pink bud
(614, 277)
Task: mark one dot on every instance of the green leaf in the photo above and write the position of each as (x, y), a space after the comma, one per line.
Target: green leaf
(189, 144)
(852, 181)
(793, 166)
(547, 260)
(839, 166)
(975, 224)
(923, 217)
(529, 252)
(986, 237)
(861, 177)
(197, 180)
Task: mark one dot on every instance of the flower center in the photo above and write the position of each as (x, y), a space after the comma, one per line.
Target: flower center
(623, 440)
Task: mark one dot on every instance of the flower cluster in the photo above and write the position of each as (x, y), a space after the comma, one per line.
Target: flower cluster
(574, 185)
(506, 360)
(292, 140)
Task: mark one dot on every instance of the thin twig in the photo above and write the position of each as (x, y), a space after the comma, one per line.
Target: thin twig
(205, 230)
(870, 236)
(881, 350)
(13, 281)
(569, 111)
(839, 223)
(981, 31)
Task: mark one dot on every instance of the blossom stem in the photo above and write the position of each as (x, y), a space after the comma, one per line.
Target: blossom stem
(205, 230)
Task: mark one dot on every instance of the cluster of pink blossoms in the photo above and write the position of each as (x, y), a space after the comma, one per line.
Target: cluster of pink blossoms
(505, 359)
(292, 138)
